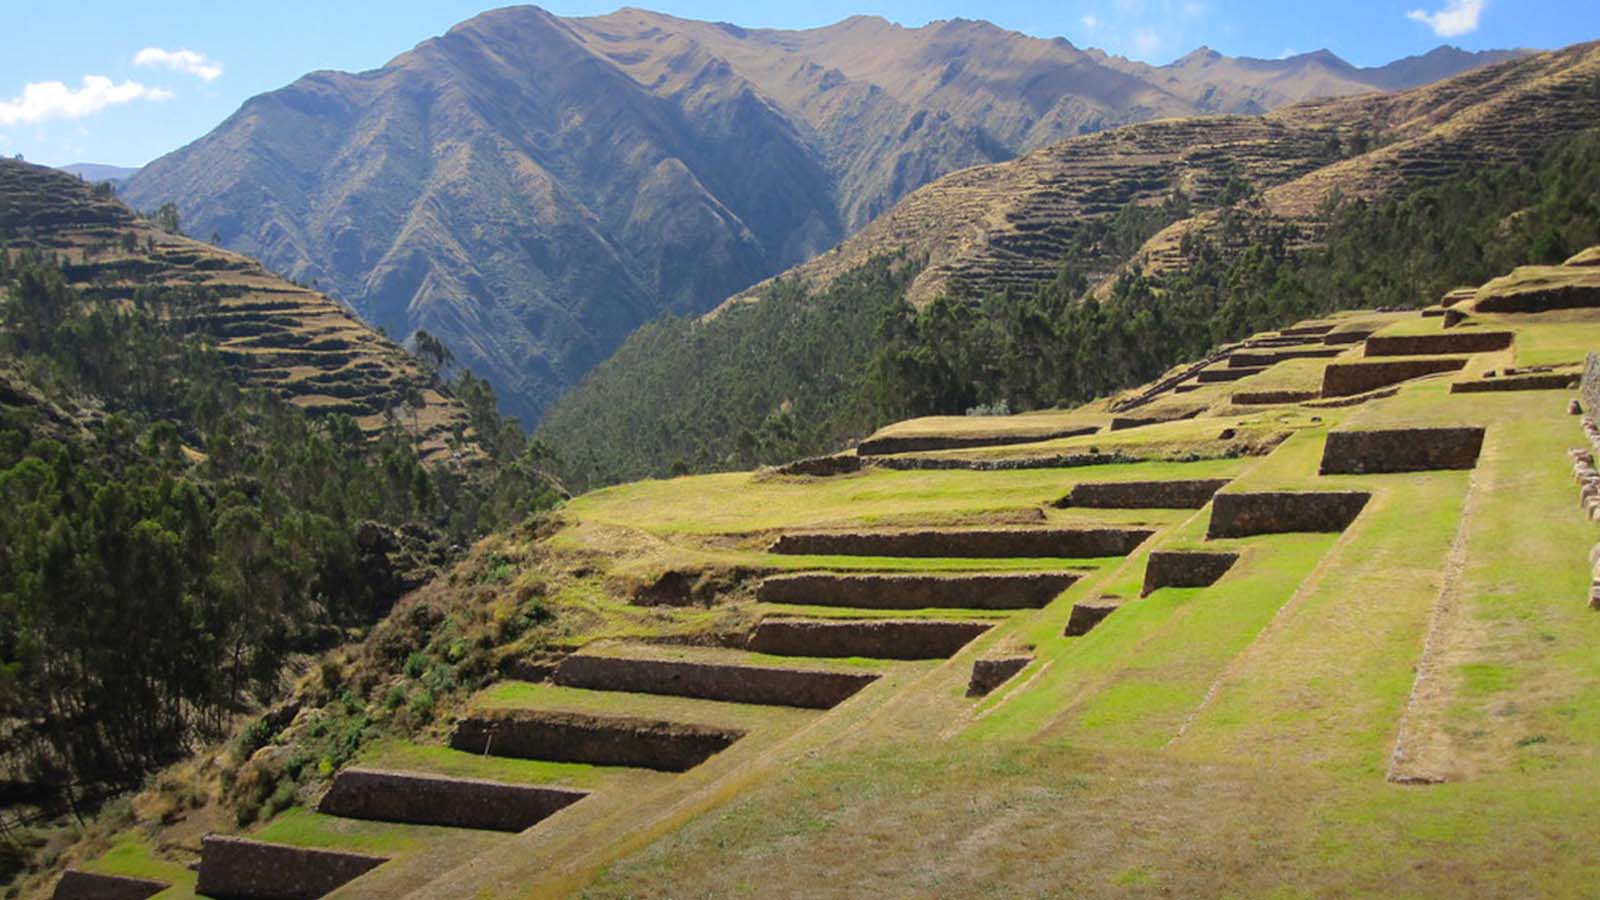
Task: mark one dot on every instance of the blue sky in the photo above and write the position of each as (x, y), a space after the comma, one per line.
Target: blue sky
(122, 84)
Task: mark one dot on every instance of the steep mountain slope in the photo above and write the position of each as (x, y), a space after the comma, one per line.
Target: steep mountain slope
(1187, 234)
(531, 188)
(1013, 224)
(274, 334)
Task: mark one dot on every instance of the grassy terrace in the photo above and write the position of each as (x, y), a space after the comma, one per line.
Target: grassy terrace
(1235, 740)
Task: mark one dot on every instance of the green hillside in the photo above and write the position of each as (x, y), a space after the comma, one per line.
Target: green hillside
(1307, 616)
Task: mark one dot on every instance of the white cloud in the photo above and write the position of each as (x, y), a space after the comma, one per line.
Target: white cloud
(1457, 18)
(1090, 21)
(186, 61)
(46, 100)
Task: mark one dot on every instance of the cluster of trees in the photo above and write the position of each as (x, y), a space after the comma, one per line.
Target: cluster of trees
(804, 371)
(168, 545)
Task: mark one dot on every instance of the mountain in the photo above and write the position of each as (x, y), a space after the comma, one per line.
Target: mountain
(531, 188)
(95, 173)
(974, 292)
(272, 333)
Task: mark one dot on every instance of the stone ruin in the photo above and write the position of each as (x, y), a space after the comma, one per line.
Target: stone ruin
(1401, 450)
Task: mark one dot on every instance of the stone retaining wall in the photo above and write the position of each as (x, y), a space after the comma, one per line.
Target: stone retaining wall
(1186, 494)
(1086, 614)
(988, 674)
(595, 740)
(874, 638)
(1401, 450)
(1123, 423)
(1589, 386)
(1347, 379)
(918, 444)
(806, 688)
(1541, 381)
(1335, 338)
(1315, 328)
(1185, 568)
(1028, 590)
(823, 466)
(1212, 376)
(1257, 358)
(254, 870)
(1438, 344)
(435, 800)
(976, 543)
(1275, 512)
(1264, 398)
(76, 884)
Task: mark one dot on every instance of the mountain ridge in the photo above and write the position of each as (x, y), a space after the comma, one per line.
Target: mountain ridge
(531, 188)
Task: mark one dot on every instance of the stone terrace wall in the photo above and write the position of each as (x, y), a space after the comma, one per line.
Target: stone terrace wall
(1270, 398)
(1346, 379)
(1401, 450)
(1438, 344)
(241, 868)
(1185, 568)
(1589, 387)
(1241, 515)
(1539, 381)
(1272, 357)
(806, 688)
(1030, 590)
(76, 884)
(985, 543)
(988, 674)
(1187, 494)
(433, 800)
(1086, 614)
(874, 638)
(918, 444)
(595, 740)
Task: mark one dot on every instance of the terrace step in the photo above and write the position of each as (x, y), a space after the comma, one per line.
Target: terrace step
(1177, 494)
(595, 740)
(1401, 450)
(981, 543)
(874, 638)
(241, 868)
(1031, 590)
(422, 799)
(1278, 512)
(77, 884)
(1185, 568)
(728, 682)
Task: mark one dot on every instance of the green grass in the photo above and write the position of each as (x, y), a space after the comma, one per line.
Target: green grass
(436, 759)
(301, 827)
(742, 502)
(134, 857)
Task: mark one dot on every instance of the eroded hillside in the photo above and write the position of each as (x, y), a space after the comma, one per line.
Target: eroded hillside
(1317, 603)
